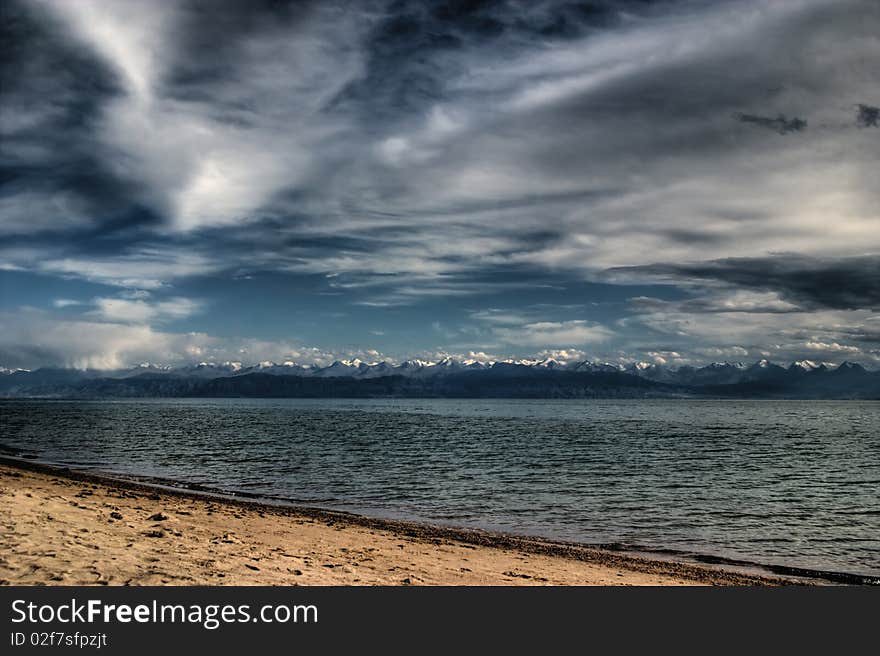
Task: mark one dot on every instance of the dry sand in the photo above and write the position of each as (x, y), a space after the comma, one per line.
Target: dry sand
(68, 528)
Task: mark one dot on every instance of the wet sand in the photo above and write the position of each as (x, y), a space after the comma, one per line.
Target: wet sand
(61, 527)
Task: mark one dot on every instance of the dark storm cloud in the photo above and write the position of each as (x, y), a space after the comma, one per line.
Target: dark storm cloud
(435, 92)
(811, 283)
(46, 74)
(224, 28)
(415, 48)
(53, 174)
(780, 124)
(868, 116)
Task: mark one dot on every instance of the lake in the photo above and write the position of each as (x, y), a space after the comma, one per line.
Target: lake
(776, 482)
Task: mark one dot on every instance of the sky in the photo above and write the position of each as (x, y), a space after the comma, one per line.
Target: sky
(677, 181)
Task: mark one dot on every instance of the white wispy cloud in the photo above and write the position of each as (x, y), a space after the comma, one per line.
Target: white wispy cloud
(94, 344)
(201, 166)
(146, 269)
(66, 302)
(141, 311)
(554, 333)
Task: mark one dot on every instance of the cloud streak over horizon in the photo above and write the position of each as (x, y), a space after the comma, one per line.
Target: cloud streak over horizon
(617, 178)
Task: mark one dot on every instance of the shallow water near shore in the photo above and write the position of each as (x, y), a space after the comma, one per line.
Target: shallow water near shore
(788, 483)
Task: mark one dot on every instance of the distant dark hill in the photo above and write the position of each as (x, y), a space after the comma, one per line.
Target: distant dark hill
(448, 378)
(478, 384)
(844, 382)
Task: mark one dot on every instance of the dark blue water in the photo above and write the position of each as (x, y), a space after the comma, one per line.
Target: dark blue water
(789, 482)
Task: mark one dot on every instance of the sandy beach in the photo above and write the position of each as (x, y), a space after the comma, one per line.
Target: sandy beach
(69, 528)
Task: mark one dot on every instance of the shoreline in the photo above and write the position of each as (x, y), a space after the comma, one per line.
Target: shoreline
(659, 568)
(780, 574)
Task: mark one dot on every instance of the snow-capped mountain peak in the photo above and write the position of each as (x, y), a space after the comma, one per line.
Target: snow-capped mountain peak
(4, 371)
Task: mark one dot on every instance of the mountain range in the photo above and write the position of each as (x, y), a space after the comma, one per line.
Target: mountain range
(449, 377)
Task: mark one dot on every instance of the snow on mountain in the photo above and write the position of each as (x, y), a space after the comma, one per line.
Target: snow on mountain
(652, 371)
(210, 369)
(588, 366)
(149, 366)
(551, 364)
(286, 368)
(451, 364)
(412, 366)
(340, 368)
(377, 370)
(5, 372)
(141, 369)
(445, 366)
(728, 365)
(713, 374)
